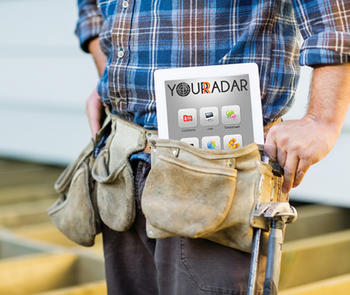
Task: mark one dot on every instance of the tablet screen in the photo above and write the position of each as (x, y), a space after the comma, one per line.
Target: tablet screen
(210, 112)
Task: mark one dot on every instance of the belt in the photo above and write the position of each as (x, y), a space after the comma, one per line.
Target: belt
(133, 125)
(147, 148)
(266, 130)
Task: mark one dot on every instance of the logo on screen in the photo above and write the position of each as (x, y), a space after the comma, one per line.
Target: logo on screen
(183, 89)
(222, 86)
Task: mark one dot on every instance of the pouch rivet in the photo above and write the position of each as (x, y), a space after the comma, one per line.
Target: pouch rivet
(229, 163)
(150, 233)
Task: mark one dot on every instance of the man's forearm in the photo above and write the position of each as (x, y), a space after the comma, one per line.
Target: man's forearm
(99, 57)
(330, 95)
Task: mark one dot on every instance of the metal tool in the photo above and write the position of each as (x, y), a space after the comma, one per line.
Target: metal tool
(276, 216)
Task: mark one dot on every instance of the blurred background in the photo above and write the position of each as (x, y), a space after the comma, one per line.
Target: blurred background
(44, 82)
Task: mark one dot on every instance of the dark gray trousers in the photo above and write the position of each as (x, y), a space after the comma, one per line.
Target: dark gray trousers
(137, 265)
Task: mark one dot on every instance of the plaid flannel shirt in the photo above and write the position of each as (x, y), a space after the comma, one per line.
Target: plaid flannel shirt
(139, 37)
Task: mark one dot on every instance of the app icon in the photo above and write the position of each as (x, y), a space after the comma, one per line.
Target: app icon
(187, 118)
(194, 141)
(232, 142)
(209, 116)
(231, 114)
(211, 142)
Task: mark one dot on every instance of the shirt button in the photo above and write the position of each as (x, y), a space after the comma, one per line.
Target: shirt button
(120, 53)
(125, 4)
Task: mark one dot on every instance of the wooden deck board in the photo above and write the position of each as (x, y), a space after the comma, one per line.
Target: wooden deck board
(96, 288)
(47, 232)
(333, 286)
(316, 220)
(16, 174)
(316, 258)
(316, 245)
(36, 273)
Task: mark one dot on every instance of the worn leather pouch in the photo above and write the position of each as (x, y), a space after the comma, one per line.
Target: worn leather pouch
(75, 211)
(113, 173)
(207, 194)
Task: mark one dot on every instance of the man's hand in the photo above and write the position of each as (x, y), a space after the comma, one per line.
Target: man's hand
(296, 145)
(94, 105)
(93, 109)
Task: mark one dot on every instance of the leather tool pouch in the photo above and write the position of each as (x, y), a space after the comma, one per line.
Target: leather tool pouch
(113, 173)
(207, 194)
(75, 213)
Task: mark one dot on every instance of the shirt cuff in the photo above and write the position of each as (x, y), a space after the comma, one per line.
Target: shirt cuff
(88, 28)
(325, 48)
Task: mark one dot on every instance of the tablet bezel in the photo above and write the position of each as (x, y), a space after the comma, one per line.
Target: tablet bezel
(251, 69)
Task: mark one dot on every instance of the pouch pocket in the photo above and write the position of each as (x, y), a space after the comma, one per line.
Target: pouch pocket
(114, 176)
(115, 197)
(199, 193)
(186, 199)
(73, 212)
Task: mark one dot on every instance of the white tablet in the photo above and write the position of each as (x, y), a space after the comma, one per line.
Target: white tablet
(210, 107)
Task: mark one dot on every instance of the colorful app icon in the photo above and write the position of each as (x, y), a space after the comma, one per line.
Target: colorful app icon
(187, 118)
(194, 141)
(233, 141)
(209, 116)
(211, 142)
(231, 115)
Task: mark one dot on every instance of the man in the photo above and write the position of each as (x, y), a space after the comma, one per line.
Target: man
(130, 39)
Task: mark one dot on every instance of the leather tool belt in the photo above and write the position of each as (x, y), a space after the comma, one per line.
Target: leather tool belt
(189, 192)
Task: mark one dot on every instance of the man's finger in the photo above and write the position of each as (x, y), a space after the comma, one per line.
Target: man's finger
(281, 157)
(95, 126)
(95, 118)
(270, 148)
(289, 171)
(303, 166)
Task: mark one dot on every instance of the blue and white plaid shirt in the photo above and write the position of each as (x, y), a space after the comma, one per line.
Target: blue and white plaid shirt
(139, 37)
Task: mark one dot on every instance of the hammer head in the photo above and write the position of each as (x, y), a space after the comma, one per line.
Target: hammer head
(277, 210)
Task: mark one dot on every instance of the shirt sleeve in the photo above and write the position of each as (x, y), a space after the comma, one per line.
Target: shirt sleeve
(325, 28)
(89, 23)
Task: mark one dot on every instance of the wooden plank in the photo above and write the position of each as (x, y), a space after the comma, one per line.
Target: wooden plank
(317, 258)
(24, 213)
(89, 267)
(316, 220)
(9, 166)
(37, 273)
(11, 248)
(96, 288)
(334, 286)
(47, 232)
(30, 192)
(12, 166)
(37, 176)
